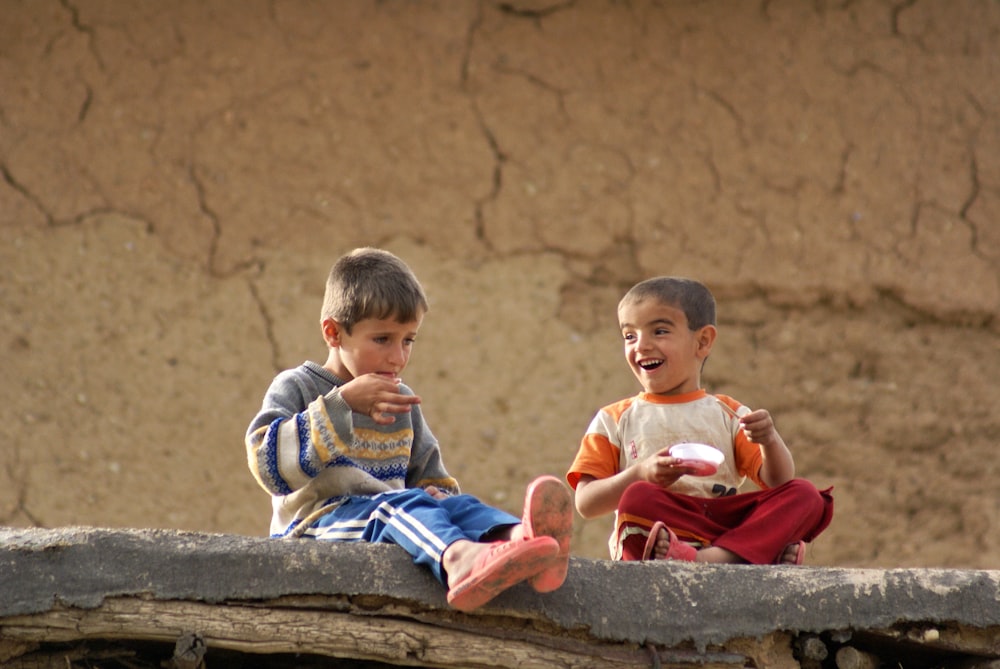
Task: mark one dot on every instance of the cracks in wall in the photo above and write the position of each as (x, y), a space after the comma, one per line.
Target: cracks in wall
(895, 12)
(83, 28)
(963, 212)
(536, 81)
(211, 261)
(887, 300)
(213, 242)
(975, 185)
(88, 99)
(16, 477)
(840, 184)
(88, 32)
(78, 218)
(912, 315)
(728, 108)
(23, 191)
(499, 158)
(535, 13)
(212, 256)
(50, 218)
(268, 321)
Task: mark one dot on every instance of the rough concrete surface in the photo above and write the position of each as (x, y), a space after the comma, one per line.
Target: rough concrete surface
(176, 179)
(743, 613)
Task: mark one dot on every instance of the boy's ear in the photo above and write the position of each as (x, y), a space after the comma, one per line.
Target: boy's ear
(331, 332)
(706, 338)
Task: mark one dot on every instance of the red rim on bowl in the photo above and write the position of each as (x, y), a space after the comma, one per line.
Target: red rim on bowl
(704, 460)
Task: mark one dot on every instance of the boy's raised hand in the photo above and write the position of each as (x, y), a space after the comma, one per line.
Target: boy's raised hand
(759, 427)
(778, 466)
(378, 396)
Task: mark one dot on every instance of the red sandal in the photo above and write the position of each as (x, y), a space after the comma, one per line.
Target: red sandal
(678, 549)
(502, 565)
(548, 511)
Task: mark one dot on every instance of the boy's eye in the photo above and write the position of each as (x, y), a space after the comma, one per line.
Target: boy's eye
(628, 336)
(380, 340)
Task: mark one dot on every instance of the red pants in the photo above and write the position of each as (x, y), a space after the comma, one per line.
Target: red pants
(756, 525)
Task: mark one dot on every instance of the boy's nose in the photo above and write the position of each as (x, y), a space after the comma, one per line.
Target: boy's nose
(397, 355)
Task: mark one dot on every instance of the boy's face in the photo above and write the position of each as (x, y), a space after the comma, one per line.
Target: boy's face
(663, 353)
(374, 346)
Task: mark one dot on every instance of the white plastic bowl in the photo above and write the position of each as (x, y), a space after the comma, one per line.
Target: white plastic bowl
(702, 458)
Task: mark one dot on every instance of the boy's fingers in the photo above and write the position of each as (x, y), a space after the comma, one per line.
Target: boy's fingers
(383, 414)
(396, 398)
(386, 406)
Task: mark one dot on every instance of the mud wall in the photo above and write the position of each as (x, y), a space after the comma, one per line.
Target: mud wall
(178, 177)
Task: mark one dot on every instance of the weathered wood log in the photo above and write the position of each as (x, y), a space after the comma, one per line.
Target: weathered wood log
(271, 628)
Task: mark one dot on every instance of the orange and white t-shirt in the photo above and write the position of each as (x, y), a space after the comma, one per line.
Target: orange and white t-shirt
(632, 429)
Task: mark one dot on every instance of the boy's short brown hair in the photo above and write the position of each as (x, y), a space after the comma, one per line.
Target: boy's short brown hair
(371, 283)
(690, 296)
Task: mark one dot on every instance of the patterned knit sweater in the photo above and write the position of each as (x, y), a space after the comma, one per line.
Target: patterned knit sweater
(310, 451)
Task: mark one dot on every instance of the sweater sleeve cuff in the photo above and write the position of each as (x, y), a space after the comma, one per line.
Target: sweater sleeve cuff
(336, 407)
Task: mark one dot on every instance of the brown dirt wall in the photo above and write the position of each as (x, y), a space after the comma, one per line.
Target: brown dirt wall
(177, 178)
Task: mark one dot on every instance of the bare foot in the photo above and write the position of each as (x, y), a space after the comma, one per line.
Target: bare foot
(460, 557)
(722, 556)
(791, 554)
(718, 555)
(713, 554)
(667, 546)
(662, 545)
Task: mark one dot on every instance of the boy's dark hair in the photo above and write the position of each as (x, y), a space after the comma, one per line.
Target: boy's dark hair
(690, 296)
(371, 283)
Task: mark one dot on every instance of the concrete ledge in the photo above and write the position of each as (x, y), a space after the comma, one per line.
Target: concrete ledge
(699, 609)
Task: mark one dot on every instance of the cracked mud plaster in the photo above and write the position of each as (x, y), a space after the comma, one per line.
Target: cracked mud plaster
(177, 180)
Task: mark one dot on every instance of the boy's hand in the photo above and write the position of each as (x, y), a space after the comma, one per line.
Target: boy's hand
(778, 466)
(759, 427)
(435, 492)
(378, 396)
(663, 469)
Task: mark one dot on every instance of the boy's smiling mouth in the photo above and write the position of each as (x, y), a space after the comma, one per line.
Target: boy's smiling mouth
(649, 364)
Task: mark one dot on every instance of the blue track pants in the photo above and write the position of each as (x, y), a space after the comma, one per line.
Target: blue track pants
(422, 525)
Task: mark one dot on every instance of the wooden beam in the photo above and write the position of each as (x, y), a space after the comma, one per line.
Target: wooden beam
(262, 630)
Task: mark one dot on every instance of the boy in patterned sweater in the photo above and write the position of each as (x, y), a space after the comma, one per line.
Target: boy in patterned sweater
(345, 452)
(666, 507)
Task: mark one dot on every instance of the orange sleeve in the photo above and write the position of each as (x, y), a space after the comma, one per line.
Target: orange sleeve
(597, 457)
(749, 459)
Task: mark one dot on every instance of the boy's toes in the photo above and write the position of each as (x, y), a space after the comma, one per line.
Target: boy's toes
(663, 544)
(793, 554)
